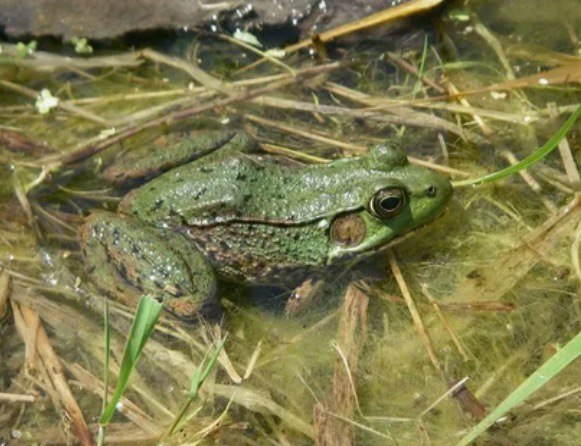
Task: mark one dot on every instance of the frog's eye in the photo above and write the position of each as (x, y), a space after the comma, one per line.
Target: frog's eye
(387, 203)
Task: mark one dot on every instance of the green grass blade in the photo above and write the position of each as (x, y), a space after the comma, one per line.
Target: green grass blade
(539, 378)
(537, 155)
(418, 84)
(199, 377)
(146, 316)
(106, 352)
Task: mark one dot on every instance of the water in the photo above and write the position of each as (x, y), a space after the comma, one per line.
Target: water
(510, 298)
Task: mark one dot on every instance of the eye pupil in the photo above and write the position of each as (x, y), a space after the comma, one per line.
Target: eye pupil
(389, 203)
(431, 191)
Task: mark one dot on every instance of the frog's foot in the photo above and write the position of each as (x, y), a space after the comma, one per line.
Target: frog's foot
(127, 259)
(304, 297)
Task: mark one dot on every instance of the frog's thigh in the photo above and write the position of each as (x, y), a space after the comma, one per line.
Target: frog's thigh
(128, 259)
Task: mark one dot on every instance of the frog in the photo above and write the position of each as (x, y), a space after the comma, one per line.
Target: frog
(209, 206)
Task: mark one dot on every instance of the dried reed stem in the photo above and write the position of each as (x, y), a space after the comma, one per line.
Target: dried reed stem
(16, 398)
(420, 327)
(4, 293)
(51, 362)
(351, 334)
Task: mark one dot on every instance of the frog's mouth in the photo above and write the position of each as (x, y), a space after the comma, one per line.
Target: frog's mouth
(363, 250)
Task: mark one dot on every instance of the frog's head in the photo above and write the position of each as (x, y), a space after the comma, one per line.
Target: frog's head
(401, 197)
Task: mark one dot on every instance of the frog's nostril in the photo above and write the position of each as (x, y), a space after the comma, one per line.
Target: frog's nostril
(431, 191)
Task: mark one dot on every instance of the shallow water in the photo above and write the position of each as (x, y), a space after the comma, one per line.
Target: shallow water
(508, 295)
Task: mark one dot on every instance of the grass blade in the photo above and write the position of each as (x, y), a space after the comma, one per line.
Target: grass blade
(537, 155)
(539, 378)
(200, 375)
(107, 349)
(146, 316)
(418, 84)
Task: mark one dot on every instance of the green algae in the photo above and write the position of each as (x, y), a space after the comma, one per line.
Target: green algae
(510, 294)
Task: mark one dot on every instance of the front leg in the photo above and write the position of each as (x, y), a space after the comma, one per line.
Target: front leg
(127, 259)
(304, 297)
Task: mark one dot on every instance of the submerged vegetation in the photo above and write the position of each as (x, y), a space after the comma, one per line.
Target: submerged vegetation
(414, 346)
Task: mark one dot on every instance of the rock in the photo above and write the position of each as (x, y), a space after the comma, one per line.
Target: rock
(103, 19)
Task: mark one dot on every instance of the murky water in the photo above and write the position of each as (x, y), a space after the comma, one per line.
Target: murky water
(496, 281)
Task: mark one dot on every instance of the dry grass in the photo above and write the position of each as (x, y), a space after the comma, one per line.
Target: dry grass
(500, 272)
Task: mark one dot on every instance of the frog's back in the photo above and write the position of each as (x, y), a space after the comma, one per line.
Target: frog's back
(259, 189)
(209, 193)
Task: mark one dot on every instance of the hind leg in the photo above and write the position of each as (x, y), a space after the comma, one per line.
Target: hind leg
(127, 259)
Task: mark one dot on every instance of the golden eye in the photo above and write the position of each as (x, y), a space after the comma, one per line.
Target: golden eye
(387, 203)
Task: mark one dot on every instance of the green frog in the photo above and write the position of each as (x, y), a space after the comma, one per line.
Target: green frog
(210, 206)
